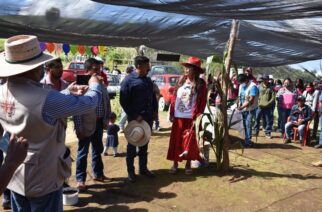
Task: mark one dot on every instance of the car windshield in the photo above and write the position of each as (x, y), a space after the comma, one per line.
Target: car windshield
(161, 70)
(172, 70)
(79, 66)
(113, 80)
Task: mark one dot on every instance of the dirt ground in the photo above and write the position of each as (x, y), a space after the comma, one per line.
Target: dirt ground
(269, 177)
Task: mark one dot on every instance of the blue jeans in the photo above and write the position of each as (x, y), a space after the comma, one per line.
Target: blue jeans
(123, 120)
(52, 202)
(247, 122)
(284, 114)
(288, 128)
(97, 149)
(320, 140)
(130, 155)
(315, 126)
(267, 113)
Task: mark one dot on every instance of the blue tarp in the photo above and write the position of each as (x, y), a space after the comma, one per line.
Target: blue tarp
(271, 32)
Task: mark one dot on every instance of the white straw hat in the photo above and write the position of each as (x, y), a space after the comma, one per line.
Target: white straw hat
(22, 53)
(137, 133)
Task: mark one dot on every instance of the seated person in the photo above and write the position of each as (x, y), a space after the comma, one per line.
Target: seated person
(300, 115)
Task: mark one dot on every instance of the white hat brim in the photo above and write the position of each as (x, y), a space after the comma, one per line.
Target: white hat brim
(147, 132)
(11, 69)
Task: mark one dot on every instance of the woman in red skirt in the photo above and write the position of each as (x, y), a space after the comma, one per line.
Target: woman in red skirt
(188, 102)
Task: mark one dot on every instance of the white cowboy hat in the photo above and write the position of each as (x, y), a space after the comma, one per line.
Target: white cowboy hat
(98, 58)
(22, 53)
(137, 133)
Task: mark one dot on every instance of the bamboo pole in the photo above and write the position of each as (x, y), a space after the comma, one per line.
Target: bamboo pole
(225, 86)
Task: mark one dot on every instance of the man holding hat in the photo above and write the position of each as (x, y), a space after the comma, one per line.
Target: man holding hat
(140, 104)
(35, 113)
(300, 115)
(265, 103)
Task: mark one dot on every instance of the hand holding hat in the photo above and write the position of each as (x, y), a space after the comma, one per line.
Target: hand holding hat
(137, 133)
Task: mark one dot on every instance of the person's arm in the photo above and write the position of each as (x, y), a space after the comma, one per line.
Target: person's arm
(308, 115)
(16, 154)
(315, 101)
(252, 94)
(201, 101)
(58, 105)
(125, 95)
(272, 100)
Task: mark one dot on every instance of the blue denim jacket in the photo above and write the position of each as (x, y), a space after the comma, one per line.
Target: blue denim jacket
(305, 113)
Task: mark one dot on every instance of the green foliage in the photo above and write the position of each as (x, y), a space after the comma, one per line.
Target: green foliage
(116, 106)
(1, 45)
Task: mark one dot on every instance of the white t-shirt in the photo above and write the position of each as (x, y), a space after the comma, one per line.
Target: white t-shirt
(185, 102)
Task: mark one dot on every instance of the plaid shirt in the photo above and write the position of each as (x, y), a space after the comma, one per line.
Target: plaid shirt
(103, 109)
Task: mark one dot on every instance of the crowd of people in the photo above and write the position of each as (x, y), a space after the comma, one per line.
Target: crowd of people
(35, 108)
(297, 104)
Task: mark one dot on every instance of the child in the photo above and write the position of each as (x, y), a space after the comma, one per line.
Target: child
(112, 137)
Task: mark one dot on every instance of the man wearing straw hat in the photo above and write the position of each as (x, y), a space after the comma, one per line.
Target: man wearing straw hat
(35, 113)
(140, 104)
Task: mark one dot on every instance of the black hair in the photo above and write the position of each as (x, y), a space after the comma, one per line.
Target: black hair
(89, 62)
(140, 60)
(112, 116)
(51, 63)
(287, 79)
(242, 78)
(129, 69)
(310, 84)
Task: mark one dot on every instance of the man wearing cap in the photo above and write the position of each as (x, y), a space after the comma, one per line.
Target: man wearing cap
(300, 115)
(139, 103)
(35, 113)
(247, 103)
(266, 101)
(87, 134)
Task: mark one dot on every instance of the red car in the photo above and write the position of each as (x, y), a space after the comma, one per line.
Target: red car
(166, 83)
(73, 69)
(77, 68)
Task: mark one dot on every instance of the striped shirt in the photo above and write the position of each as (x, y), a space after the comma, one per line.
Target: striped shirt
(61, 104)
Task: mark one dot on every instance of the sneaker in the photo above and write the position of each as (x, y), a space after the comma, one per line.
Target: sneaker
(317, 164)
(105, 154)
(121, 130)
(318, 146)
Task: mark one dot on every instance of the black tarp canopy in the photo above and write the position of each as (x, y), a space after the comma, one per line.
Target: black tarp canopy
(271, 32)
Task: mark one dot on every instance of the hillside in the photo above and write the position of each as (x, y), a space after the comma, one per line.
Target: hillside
(282, 72)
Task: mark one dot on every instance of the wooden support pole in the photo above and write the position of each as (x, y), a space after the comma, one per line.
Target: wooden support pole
(225, 86)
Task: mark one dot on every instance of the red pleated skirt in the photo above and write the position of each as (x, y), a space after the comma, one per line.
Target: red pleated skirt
(181, 141)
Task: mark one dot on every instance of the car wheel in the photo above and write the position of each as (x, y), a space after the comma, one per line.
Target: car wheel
(162, 104)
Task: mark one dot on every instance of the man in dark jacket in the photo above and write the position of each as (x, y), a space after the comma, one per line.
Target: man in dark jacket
(265, 103)
(301, 114)
(139, 103)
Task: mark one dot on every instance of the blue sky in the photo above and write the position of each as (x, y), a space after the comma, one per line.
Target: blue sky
(310, 65)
